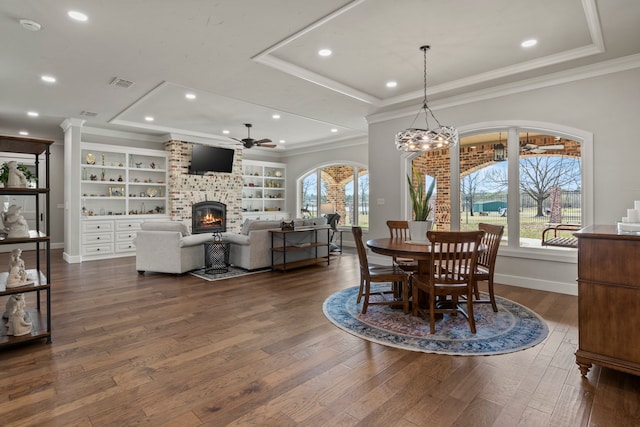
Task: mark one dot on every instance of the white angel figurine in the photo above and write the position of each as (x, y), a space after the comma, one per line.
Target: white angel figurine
(17, 325)
(16, 178)
(12, 303)
(17, 272)
(14, 223)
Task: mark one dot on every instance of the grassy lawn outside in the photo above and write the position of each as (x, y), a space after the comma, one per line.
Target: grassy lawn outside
(531, 227)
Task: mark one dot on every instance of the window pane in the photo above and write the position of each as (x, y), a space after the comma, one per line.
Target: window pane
(483, 181)
(363, 197)
(339, 183)
(550, 185)
(309, 196)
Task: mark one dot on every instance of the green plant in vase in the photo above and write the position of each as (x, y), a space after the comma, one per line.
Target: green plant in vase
(421, 206)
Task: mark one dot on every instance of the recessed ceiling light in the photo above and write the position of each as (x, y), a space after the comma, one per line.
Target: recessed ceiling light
(529, 43)
(33, 114)
(282, 141)
(334, 130)
(275, 116)
(149, 118)
(48, 79)
(30, 25)
(190, 96)
(78, 16)
(23, 133)
(392, 84)
(226, 132)
(325, 52)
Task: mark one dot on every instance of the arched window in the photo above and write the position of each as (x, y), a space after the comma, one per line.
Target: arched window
(526, 176)
(336, 188)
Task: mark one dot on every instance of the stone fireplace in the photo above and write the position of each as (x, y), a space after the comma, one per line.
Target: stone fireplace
(208, 217)
(187, 190)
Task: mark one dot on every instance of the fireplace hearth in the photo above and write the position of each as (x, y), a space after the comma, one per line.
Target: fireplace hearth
(208, 217)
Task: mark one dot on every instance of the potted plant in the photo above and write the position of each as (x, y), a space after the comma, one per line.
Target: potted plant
(5, 170)
(421, 206)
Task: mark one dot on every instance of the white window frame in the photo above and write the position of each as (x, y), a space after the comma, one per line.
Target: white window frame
(513, 129)
(317, 169)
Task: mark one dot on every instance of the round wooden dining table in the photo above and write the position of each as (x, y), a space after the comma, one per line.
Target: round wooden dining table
(421, 252)
(393, 246)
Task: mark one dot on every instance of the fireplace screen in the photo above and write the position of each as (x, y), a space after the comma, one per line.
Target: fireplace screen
(208, 217)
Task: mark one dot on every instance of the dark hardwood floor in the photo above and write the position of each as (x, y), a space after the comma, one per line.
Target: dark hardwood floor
(165, 350)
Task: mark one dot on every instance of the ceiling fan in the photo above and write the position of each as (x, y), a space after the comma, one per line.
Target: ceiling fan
(249, 142)
(538, 149)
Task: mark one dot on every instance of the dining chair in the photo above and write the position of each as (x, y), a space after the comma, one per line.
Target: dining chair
(399, 229)
(371, 273)
(452, 253)
(487, 261)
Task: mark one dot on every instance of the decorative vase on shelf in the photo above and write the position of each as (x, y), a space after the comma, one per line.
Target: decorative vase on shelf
(418, 230)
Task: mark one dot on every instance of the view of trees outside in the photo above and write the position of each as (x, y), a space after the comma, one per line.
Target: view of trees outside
(338, 190)
(549, 193)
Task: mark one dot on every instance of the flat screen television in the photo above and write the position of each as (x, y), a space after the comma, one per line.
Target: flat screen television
(206, 159)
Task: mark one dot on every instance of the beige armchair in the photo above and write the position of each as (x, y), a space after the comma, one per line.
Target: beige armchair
(167, 247)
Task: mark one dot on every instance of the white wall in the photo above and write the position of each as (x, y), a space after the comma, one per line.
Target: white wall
(606, 106)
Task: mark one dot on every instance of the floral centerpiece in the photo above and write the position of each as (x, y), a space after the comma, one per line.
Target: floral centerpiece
(421, 206)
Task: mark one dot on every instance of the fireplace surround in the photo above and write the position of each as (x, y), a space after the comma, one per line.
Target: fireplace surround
(208, 217)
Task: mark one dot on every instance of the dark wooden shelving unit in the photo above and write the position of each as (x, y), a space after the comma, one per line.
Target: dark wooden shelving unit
(39, 316)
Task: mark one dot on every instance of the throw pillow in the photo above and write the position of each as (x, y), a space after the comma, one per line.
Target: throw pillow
(246, 226)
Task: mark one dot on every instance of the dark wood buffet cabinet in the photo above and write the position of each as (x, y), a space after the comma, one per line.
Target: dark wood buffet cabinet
(608, 299)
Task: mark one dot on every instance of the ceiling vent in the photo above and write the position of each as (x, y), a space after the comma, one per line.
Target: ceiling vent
(117, 81)
(88, 113)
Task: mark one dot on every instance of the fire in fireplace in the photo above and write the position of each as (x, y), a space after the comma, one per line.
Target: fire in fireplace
(208, 217)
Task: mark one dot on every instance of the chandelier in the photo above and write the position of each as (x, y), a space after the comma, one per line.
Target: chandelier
(416, 139)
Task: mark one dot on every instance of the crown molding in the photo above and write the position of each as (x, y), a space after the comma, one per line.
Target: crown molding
(119, 134)
(324, 146)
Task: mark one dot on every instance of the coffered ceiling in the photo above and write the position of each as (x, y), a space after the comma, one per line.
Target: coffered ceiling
(248, 60)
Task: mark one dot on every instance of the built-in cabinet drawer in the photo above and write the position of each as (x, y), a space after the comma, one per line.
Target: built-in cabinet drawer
(128, 225)
(125, 236)
(95, 226)
(101, 249)
(125, 246)
(105, 238)
(91, 238)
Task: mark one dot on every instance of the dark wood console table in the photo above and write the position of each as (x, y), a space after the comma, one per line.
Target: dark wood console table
(299, 247)
(608, 299)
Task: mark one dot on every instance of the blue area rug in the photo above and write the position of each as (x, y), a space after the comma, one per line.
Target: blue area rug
(513, 328)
